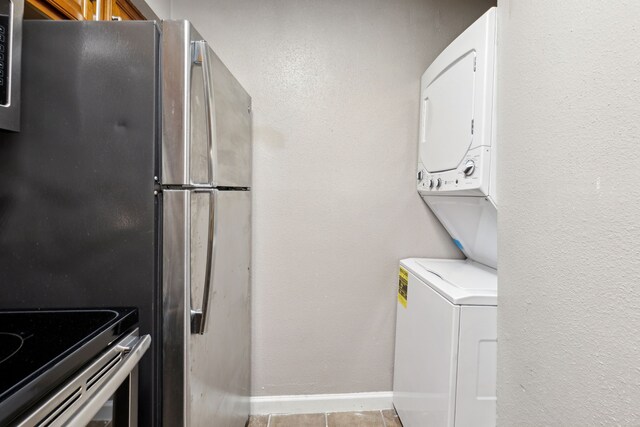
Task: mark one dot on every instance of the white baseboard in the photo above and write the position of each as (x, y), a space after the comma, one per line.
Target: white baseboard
(317, 403)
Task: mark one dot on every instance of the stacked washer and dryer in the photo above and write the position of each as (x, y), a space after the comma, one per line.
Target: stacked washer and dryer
(446, 339)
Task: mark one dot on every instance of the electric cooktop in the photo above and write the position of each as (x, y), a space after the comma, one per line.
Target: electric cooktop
(39, 350)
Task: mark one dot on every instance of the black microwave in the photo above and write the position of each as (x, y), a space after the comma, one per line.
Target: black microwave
(11, 12)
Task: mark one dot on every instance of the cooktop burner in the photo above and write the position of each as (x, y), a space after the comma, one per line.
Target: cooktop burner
(9, 345)
(40, 349)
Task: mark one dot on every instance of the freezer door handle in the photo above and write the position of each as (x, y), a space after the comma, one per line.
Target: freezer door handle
(199, 316)
(200, 56)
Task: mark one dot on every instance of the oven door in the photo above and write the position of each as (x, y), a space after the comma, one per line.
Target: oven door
(112, 374)
(11, 12)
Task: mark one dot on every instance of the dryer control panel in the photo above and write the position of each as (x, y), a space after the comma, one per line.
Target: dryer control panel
(470, 178)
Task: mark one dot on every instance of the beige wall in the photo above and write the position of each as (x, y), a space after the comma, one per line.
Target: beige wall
(335, 88)
(569, 221)
(162, 8)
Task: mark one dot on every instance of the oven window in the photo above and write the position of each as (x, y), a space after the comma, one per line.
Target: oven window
(104, 417)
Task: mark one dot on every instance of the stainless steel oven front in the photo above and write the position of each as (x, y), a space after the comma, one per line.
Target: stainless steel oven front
(112, 375)
(11, 12)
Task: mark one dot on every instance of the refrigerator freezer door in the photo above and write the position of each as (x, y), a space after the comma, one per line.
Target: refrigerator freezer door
(206, 375)
(206, 136)
(233, 127)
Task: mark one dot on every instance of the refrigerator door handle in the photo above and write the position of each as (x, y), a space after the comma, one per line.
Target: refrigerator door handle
(199, 316)
(200, 52)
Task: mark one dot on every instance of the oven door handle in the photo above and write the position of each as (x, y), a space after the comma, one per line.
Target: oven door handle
(133, 351)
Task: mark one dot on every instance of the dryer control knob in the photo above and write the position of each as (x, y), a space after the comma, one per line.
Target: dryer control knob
(438, 183)
(430, 183)
(469, 168)
(420, 175)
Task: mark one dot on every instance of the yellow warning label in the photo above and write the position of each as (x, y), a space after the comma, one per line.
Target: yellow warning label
(403, 286)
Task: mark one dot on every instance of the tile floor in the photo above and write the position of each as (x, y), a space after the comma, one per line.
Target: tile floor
(386, 418)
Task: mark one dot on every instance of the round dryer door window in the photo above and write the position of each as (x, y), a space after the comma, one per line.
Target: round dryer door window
(446, 116)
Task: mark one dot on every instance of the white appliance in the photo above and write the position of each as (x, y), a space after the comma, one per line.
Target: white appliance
(446, 338)
(445, 356)
(457, 146)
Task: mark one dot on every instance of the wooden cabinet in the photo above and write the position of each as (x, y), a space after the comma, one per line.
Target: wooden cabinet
(58, 9)
(89, 10)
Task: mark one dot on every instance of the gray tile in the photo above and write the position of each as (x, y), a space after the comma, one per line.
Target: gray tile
(355, 419)
(258, 421)
(298, 420)
(391, 418)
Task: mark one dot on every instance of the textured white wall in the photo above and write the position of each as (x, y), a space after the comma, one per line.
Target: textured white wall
(162, 8)
(335, 87)
(569, 221)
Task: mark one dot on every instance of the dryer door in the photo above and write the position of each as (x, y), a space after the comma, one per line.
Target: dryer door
(446, 115)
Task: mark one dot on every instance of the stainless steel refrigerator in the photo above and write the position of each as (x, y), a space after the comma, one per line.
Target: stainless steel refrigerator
(129, 185)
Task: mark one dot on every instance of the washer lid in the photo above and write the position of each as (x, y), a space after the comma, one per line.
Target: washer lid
(462, 282)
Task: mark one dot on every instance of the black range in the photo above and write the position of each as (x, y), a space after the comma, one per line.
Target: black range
(39, 350)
